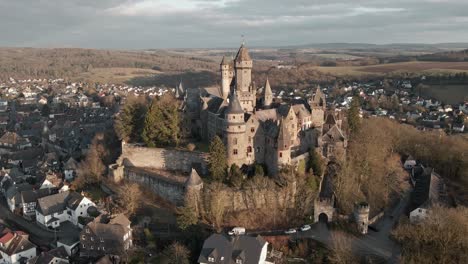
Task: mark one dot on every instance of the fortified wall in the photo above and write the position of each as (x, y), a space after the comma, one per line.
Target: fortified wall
(235, 200)
(165, 171)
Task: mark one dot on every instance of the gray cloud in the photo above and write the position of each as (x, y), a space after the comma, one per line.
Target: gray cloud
(220, 23)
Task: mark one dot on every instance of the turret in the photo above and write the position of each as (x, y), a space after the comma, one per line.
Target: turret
(226, 77)
(361, 216)
(284, 143)
(318, 105)
(267, 95)
(243, 66)
(180, 90)
(235, 132)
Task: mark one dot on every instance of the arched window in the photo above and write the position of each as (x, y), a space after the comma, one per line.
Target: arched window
(249, 149)
(281, 154)
(234, 141)
(234, 151)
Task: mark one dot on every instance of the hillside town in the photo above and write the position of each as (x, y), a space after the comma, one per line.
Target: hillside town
(50, 127)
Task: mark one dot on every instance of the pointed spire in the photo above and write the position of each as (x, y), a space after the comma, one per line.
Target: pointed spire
(243, 54)
(177, 94)
(181, 87)
(224, 61)
(234, 106)
(194, 179)
(268, 88)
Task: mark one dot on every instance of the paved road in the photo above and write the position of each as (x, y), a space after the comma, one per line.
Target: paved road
(375, 245)
(39, 235)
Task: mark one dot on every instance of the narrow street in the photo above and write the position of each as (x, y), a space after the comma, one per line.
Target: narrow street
(39, 235)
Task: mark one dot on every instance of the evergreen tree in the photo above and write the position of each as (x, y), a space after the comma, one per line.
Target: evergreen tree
(186, 218)
(217, 160)
(353, 115)
(129, 124)
(153, 129)
(259, 171)
(162, 123)
(235, 176)
(316, 162)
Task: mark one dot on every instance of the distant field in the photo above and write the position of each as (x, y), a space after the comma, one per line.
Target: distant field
(115, 75)
(337, 56)
(450, 94)
(417, 66)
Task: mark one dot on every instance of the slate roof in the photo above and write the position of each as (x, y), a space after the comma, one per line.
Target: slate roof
(225, 250)
(58, 202)
(234, 106)
(225, 61)
(243, 54)
(47, 257)
(194, 179)
(31, 196)
(71, 164)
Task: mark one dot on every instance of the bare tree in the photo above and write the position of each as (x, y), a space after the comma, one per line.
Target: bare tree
(342, 249)
(130, 197)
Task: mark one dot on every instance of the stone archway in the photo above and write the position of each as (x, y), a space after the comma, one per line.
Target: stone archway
(323, 210)
(323, 218)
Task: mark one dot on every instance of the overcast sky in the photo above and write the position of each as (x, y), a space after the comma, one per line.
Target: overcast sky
(140, 24)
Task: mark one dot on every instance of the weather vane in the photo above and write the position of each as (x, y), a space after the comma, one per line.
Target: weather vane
(243, 39)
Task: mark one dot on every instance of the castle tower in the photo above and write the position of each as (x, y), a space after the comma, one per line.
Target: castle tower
(361, 216)
(235, 131)
(226, 77)
(318, 105)
(193, 187)
(267, 95)
(243, 67)
(284, 144)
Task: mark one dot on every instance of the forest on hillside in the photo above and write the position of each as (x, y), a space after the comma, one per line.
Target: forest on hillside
(68, 63)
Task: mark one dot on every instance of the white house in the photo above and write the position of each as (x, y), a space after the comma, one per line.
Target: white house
(70, 169)
(16, 248)
(218, 249)
(55, 209)
(410, 162)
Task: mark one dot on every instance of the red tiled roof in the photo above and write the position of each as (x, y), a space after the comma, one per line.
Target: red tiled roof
(7, 237)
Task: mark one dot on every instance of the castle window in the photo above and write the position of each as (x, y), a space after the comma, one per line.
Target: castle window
(235, 141)
(258, 149)
(250, 139)
(249, 149)
(252, 130)
(234, 151)
(234, 117)
(281, 154)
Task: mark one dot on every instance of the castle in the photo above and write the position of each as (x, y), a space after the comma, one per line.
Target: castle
(255, 128)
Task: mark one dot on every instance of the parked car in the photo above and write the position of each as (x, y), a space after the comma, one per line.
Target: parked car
(290, 231)
(305, 227)
(237, 231)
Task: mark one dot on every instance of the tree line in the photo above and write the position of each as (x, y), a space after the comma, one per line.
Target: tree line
(156, 122)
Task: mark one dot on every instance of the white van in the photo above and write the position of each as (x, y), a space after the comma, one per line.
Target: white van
(237, 231)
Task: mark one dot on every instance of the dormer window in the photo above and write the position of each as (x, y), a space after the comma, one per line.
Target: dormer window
(239, 261)
(211, 259)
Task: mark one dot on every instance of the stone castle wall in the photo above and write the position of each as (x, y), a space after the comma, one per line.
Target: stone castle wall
(235, 200)
(161, 158)
(168, 189)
